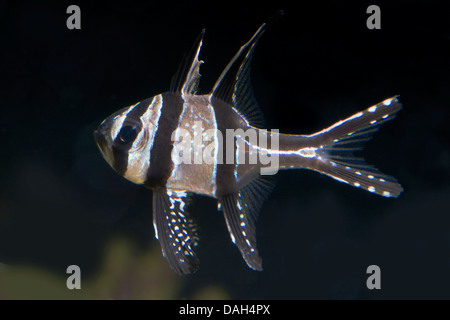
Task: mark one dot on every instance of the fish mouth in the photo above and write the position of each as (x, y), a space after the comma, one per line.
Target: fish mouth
(97, 136)
(102, 145)
(99, 139)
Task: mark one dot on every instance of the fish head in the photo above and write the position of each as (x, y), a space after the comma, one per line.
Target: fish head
(124, 139)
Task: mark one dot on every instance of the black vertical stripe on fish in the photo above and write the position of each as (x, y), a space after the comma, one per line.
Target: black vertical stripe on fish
(175, 230)
(121, 148)
(233, 99)
(232, 96)
(161, 165)
(120, 161)
(225, 176)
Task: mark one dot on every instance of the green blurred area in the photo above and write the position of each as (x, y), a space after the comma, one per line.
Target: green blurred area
(125, 273)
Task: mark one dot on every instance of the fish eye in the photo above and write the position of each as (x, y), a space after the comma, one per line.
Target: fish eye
(127, 134)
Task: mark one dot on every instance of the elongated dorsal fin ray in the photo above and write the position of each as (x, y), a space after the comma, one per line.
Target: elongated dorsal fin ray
(175, 230)
(187, 78)
(234, 87)
(241, 210)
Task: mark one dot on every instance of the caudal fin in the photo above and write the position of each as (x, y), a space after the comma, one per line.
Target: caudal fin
(337, 144)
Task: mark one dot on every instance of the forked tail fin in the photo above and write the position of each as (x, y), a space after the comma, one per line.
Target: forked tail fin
(336, 145)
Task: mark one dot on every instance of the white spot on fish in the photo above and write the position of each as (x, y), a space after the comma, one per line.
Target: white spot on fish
(386, 193)
(308, 152)
(388, 102)
(371, 189)
(372, 109)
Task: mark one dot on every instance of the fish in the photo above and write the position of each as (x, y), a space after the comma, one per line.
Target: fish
(181, 143)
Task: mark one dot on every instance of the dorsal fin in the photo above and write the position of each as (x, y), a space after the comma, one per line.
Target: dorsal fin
(233, 85)
(188, 75)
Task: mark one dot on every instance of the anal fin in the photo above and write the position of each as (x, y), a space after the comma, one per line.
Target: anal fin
(241, 210)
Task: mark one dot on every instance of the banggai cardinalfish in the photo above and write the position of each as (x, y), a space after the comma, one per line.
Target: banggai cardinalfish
(179, 143)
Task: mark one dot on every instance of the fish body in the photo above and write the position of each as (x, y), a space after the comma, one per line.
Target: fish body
(180, 143)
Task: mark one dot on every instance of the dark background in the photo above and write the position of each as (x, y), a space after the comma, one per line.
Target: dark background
(61, 204)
